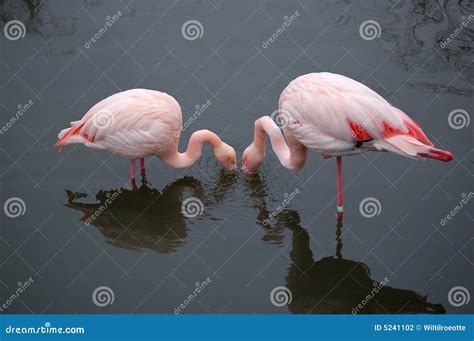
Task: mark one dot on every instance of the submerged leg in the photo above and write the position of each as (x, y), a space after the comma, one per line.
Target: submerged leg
(132, 174)
(339, 207)
(142, 171)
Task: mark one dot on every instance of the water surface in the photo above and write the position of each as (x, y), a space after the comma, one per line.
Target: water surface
(142, 246)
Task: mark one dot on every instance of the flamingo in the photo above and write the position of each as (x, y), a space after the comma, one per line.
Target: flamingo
(137, 123)
(336, 116)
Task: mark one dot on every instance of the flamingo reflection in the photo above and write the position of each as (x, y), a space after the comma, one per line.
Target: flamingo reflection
(146, 218)
(331, 284)
(338, 285)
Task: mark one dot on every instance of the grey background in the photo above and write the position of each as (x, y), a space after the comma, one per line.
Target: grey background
(229, 243)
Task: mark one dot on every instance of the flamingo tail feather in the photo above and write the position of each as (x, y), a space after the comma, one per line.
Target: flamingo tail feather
(438, 154)
(68, 135)
(409, 146)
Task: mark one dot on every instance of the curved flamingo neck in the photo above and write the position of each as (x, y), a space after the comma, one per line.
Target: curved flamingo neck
(194, 149)
(292, 155)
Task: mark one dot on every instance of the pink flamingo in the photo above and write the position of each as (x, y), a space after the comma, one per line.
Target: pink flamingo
(336, 116)
(139, 122)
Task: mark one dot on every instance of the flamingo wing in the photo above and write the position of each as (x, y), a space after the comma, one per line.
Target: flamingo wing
(130, 123)
(333, 114)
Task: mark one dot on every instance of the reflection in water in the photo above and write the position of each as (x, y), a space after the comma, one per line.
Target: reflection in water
(146, 218)
(418, 28)
(256, 188)
(414, 34)
(38, 17)
(442, 88)
(339, 285)
(142, 218)
(46, 20)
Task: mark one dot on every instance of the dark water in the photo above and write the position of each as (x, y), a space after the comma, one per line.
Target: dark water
(144, 249)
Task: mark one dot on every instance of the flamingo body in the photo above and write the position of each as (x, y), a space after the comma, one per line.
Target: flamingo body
(137, 123)
(337, 116)
(133, 124)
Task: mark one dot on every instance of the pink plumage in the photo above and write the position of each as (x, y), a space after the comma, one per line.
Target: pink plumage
(331, 113)
(337, 116)
(140, 122)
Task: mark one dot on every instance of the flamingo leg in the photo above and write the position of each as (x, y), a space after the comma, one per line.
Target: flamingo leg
(339, 207)
(132, 174)
(142, 166)
(132, 170)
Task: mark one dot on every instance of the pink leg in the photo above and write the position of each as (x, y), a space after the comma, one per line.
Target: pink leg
(339, 207)
(142, 166)
(132, 170)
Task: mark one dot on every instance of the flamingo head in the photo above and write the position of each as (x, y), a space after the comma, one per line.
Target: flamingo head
(252, 158)
(226, 156)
